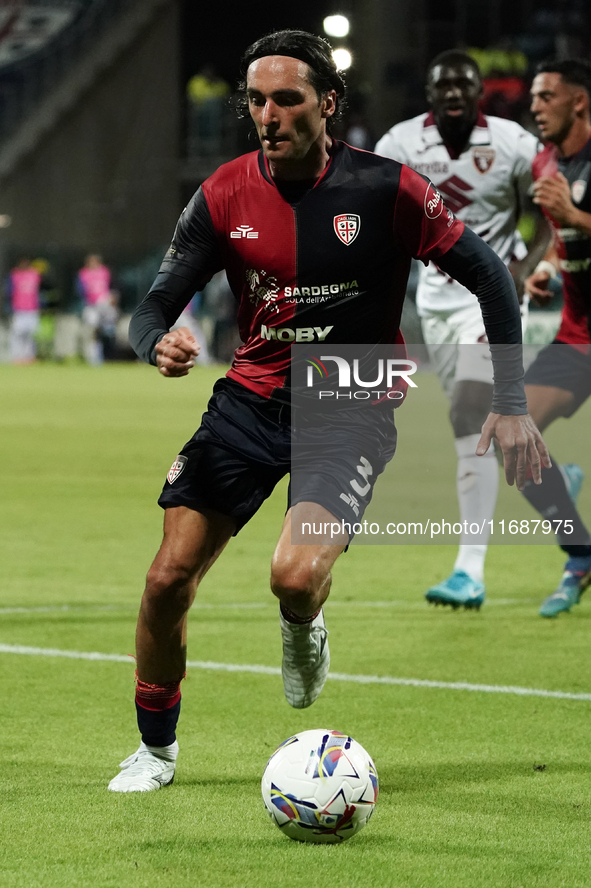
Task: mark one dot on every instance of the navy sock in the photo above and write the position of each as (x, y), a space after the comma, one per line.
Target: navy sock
(158, 726)
(294, 618)
(552, 501)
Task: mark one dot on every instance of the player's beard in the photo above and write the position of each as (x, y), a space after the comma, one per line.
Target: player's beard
(455, 131)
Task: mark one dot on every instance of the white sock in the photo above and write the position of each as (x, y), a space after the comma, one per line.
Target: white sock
(168, 753)
(477, 484)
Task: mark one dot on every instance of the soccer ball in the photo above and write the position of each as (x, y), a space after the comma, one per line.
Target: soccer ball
(320, 786)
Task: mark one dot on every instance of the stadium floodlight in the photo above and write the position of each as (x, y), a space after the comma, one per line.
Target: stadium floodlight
(342, 58)
(336, 25)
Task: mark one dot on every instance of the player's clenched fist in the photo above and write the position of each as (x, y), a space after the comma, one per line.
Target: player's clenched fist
(176, 352)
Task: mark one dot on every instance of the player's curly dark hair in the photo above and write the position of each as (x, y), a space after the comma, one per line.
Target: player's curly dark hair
(574, 71)
(314, 51)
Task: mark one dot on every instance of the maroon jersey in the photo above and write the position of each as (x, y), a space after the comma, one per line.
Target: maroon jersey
(574, 247)
(330, 267)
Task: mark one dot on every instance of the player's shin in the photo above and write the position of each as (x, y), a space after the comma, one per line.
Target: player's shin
(552, 500)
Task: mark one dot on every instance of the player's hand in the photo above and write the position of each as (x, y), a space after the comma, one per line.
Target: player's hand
(537, 287)
(521, 444)
(176, 352)
(553, 194)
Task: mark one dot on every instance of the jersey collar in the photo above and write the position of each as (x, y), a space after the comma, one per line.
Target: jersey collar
(480, 135)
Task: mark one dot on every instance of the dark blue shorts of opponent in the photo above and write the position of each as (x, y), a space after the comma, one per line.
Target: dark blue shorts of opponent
(565, 367)
(244, 447)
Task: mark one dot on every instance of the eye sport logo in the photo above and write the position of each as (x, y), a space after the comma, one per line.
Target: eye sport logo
(433, 203)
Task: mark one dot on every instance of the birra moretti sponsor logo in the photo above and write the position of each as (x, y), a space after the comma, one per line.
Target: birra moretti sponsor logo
(385, 382)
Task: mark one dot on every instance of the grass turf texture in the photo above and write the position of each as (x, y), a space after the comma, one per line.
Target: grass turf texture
(476, 789)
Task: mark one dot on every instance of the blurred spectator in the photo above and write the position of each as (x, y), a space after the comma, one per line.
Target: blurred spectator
(188, 319)
(358, 134)
(221, 305)
(206, 94)
(503, 59)
(23, 286)
(504, 71)
(99, 313)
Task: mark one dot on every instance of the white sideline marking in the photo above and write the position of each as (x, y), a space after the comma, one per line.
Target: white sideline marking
(240, 605)
(335, 676)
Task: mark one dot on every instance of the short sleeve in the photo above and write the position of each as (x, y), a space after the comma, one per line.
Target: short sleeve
(422, 222)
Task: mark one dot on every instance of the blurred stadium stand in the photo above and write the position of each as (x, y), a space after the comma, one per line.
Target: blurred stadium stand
(98, 152)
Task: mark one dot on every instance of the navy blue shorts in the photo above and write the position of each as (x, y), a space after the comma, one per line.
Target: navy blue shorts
(244, 447)
(565, 367)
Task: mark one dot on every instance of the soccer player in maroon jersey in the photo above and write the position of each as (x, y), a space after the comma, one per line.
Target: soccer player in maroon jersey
(559, 380)
(316, 238)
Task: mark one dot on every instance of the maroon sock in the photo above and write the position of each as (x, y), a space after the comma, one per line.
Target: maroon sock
(158, 708)
(294, 618)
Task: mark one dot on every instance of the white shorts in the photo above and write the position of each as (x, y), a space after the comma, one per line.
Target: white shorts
(456, 342)
(457, 346)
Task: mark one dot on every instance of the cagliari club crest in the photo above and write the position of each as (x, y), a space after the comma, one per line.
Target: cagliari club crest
(483, 157)
(577, 189)
(176, 468)
(347, 227)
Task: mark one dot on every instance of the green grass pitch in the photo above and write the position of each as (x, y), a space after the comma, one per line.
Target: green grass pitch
(478, 790)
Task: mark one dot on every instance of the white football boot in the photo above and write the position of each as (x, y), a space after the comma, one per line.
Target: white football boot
(151, 767)
(306, 660)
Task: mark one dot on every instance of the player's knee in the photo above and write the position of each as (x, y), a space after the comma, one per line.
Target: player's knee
(296, 581)
(169, 587)
(466, 422)
(469, 407)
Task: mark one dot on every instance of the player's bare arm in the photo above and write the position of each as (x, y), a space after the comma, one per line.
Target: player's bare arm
(522, 269)
(521, 445)
(176, 352)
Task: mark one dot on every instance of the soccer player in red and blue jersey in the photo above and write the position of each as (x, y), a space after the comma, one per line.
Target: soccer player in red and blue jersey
(559, 380)
(316, 238)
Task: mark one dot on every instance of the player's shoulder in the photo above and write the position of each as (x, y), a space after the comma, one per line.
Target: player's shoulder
(357, 160)
(511, 134)
(233, 175)
(404, 133)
